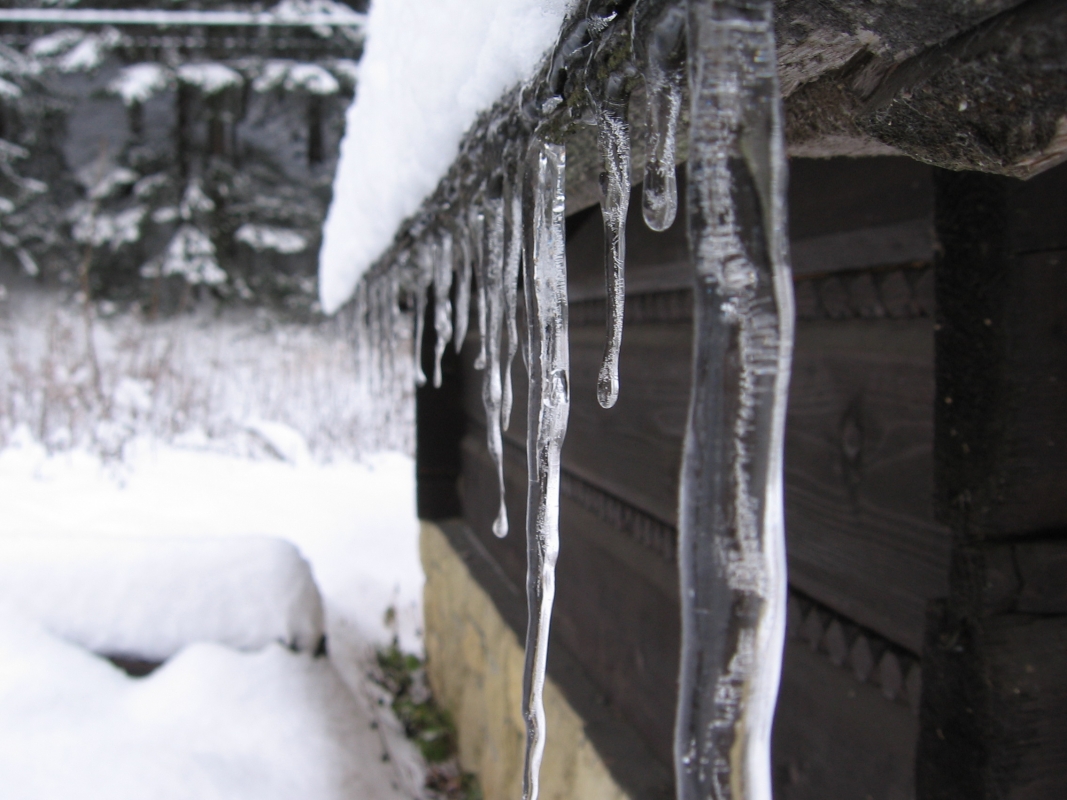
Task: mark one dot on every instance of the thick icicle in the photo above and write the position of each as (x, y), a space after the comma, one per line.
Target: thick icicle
(549, 407)
(424, 265)
(476, 222)
(463, 285)
(512, 262)
(442, 303)
(610, 101)
(664, 70)
(493, 286)
(731, 533)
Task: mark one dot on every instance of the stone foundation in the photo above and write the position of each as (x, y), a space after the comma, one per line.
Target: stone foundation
(475, 664)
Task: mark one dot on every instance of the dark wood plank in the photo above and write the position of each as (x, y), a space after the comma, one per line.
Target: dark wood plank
(835, 737)
(832, 195)
(632, 450)
(615, 613)
(859, 513)
(1001, 410)
(994, 714)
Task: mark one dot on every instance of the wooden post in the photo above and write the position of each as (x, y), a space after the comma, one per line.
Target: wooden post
(994, 710)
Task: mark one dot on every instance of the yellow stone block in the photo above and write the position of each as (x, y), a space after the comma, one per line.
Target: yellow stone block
(474, 663)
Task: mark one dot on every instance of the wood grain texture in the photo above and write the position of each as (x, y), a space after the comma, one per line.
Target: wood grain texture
(859, 516)
(837, 738)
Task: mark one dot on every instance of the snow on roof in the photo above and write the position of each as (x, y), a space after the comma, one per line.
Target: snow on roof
(429, 68)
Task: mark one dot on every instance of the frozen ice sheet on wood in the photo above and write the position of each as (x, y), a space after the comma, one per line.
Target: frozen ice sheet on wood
(149, 597)
(429, 67)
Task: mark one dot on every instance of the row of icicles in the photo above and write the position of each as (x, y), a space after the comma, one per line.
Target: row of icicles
(514, 226)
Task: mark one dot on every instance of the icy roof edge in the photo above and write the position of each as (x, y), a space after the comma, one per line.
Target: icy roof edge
(553, 103)
(110, 16)
(832, 82)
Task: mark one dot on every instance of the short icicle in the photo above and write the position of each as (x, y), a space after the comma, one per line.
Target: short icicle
(463, 285)
(512, 262)
(476, 226)
(610, 102)
(442, 303)
(664, 71)
(493, 287)
(424, 268)
(731, 533)
(549, 407)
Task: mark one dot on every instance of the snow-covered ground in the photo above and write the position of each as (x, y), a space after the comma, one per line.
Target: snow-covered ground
(129, 472)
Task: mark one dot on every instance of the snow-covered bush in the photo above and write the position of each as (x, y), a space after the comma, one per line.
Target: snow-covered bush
(236, 381)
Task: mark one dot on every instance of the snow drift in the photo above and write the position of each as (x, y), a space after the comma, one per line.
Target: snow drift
(150, 597)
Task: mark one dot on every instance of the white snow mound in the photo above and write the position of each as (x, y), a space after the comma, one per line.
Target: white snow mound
(148, 597)
(211, 724)
(429, 68)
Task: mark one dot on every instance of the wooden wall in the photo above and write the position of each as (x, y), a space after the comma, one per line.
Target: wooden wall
(866, 554)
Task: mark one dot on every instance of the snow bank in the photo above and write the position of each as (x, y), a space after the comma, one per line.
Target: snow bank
(429, 67)
(212, 723)
(149, 597)
(354, 522)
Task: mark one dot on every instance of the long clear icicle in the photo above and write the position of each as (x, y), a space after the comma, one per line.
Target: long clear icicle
(549, 408)
(664, 71)
(476, 226)
(424, 267)
(493, 286)
(611, 101)
(512, 262)
(731, 532)
(442, 303)
(463, 285)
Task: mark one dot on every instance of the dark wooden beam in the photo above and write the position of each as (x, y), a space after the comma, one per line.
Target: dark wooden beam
(994, 709)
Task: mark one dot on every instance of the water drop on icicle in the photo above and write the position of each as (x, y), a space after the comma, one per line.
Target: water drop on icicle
(476, 226)
(493, 292)
(664, 79)
(442, 305)
(424, 262)
(549, 407)
(512, 261)
(610, 102)
(463, 285)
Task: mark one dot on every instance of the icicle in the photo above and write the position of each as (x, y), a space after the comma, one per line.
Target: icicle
(549, 407)
(391, 327)
(512, 261)
(476, 226)
(376, 329)
(493, 289)
(664, 78)
(463, 287)
(424, 265)
(610, 102)
(442, 304)
(731, 533)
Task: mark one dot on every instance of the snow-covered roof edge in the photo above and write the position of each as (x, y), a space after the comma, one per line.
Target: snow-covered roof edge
(419, 94)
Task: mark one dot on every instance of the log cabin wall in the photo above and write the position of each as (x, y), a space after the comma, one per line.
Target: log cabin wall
(868, 556)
